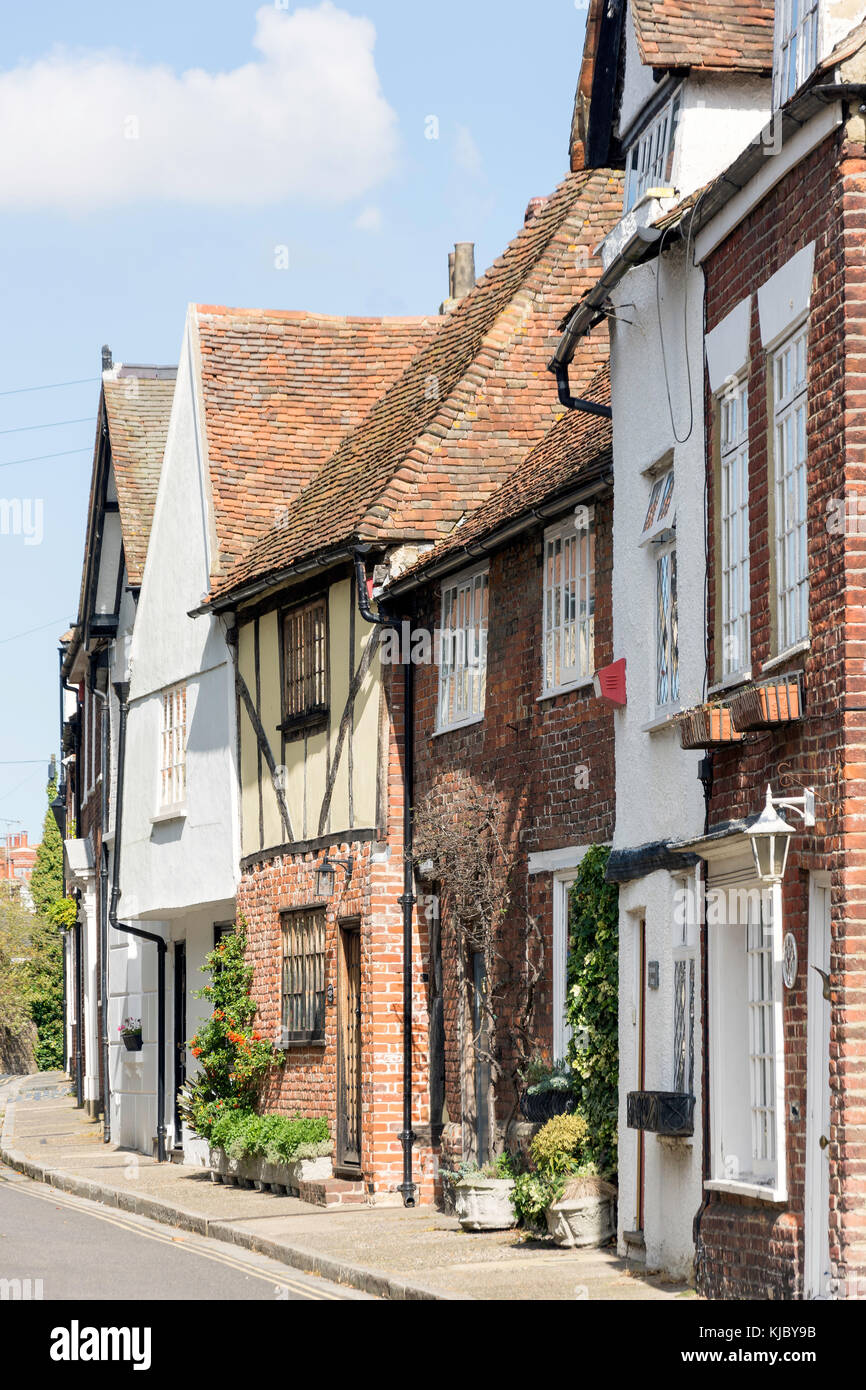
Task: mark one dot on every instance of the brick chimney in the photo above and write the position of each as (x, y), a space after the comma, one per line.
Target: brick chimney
(461, 274)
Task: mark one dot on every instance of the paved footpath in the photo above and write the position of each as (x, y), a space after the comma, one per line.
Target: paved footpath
(388, 1252)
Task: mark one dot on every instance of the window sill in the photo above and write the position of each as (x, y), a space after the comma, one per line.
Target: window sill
(730, 682)
(584, 683)
(662, 721)
(294, 1044)
(740, 1188)
(169, 814)
(796, 649)
(455, 728)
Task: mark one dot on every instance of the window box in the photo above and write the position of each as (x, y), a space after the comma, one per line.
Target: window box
(707, 727)
(544, 1105)
(661, 1112)
(778, 701)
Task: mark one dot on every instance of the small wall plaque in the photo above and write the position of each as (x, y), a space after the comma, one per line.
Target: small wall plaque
(652, 974)
(790, 961)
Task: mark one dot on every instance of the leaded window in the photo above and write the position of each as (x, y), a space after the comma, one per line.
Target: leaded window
(303, 977)
(569, 604)
(667, 632)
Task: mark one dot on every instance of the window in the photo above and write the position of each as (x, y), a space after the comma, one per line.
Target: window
(734, 522)
(569, 604)
(747, 1066)
(684, 1025)
(796, 45)
(667, 637)
(790, 410)
(759, 956)
(650, 159)
(463, 651)
(660, 516)
(172, 787)
(303, 980)
(305, 663)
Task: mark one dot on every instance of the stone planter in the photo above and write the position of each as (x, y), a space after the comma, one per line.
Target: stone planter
(273, 1177)
(585, 1214)
(484, 1204)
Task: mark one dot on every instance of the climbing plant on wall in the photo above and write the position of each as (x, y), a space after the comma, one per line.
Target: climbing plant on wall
(592, 1003)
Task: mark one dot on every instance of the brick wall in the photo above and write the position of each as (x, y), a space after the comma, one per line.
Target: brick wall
(746, 1250)
(308, 1081)
(528, 751)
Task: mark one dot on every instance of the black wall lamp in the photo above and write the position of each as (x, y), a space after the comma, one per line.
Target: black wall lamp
(325, 875)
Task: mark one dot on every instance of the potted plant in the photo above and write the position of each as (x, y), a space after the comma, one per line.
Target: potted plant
(547, 1090)
(483, 1195)
(130, 1032)
(563, 1190)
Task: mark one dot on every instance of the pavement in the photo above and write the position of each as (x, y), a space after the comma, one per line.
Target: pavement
(386, 1252)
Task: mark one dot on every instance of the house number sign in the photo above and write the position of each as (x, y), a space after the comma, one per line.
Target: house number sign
(790, 961)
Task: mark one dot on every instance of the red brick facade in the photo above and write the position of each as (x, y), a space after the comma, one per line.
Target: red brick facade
(308, 1082)
(530, 753)
(747, 1249)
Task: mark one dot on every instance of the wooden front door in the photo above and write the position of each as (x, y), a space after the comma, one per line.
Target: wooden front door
(349, 1048)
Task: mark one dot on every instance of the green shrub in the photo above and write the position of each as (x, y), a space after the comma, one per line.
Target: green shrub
(560, 1145)
(592, 1005)
(276, 1138)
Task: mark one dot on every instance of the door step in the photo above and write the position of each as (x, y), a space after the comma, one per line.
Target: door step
(333, 1192)
(635, 1247)
(176, 1155)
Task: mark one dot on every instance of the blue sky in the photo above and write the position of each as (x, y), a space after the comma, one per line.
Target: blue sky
(108, 242)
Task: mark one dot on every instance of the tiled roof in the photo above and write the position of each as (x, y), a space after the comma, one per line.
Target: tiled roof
(138, 405)
(578, 445)
(470, 405)
(716, 34)
(280, 390)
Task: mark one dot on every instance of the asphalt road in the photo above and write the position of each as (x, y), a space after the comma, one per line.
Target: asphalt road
(84, 1251)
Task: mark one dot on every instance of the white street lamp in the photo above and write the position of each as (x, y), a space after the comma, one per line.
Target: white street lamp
(771, 835)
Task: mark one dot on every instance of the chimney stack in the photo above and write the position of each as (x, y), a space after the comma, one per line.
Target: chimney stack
(461, 274)
(107, 360)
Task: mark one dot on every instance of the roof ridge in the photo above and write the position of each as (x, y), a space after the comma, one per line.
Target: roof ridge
(307, 315)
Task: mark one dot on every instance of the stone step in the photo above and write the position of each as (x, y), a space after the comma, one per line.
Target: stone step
(333, 1192)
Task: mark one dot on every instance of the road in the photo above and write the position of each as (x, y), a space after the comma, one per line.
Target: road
(84, 1251)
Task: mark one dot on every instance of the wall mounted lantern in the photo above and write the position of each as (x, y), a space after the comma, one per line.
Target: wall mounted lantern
(325, 875)
(771, 835)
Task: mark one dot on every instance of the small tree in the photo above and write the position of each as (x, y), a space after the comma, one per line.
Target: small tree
(54, 915)
(461, 831)
(233, 1058)
(46, 880)
(16, 927)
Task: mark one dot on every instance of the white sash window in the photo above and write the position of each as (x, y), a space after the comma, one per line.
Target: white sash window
(569, 605)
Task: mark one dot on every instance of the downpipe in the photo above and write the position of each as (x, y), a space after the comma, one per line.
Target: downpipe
(103, 918)
(407, 1188)
(121, 690)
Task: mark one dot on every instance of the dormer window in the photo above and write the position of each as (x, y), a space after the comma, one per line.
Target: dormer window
(796, 45)
(650, 157)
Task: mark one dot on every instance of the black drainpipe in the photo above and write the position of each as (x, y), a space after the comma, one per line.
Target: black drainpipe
(103, 919)
(121, 690)
(563, 390)
(407, 898)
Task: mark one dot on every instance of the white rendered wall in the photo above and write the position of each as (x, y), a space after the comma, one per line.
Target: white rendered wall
(658, 795)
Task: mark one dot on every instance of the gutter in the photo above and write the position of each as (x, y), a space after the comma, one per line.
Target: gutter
(408, 1189)
(272, 581)
(121, 690)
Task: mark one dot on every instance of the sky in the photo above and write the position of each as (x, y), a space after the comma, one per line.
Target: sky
(321, 156)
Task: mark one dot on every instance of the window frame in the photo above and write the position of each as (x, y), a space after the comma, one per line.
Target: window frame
(648, 164)
(313, 713)
(786, 406)
(583, 578)
(172, 764)
(733, 1092)
(478, 580)
(667, 552)
(734, 520)
(788, 79)
(313, 965)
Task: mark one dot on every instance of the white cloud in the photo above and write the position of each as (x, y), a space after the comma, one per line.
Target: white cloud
(306, 119)
(369, 220)
(467, 155)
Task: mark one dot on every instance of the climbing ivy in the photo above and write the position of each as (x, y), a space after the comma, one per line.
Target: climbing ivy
(592, 1004)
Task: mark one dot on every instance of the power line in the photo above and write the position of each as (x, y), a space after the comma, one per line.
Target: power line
(21, 762)
(54, 623)
(51, 386)
(54, 425)
(39, 458)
